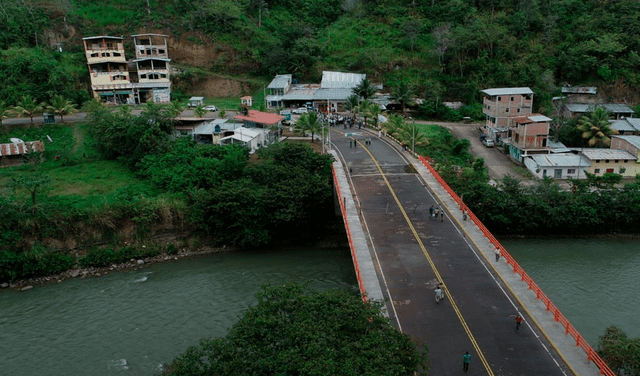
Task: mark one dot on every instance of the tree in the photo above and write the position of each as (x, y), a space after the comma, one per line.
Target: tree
(621, 353)
(394, 125)
(33, 183)
(5, 112)
(411, 31)
(175, 109)
(199, 111)
(28, 106)
(308, 123)
(292, 331)
(373, 112)
(412, 136)
(365, 89)
(352, 103)
(403, 94)
(596, 128)
(364, 109)
(62, 106)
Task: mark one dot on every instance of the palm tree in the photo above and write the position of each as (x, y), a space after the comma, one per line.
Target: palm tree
(365, 89)
(199, 111)
(28, 106)
(364, 109)
(62, 106)
(596, 128)
(409, 134)
(175, 109)
(308, 123)
(394, 125)
(5, 111)
(374, 111)
(352, 103)
(403, 94)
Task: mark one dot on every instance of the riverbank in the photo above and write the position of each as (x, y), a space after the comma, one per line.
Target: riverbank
(133, 264)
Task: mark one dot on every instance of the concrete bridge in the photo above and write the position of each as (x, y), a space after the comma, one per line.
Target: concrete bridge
(401, 253)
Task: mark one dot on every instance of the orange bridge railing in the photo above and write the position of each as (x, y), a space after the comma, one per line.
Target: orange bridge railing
(592, 355)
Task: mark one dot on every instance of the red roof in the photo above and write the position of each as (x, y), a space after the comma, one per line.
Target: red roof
(261, 117)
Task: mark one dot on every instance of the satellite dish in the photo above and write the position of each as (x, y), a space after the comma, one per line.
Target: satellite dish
(16, 141)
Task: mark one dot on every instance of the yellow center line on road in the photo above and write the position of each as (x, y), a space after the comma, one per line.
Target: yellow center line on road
(433, 266)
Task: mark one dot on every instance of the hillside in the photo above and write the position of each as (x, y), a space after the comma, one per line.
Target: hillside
(448, 50)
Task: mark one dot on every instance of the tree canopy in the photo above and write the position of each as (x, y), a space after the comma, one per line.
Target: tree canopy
(292, 331)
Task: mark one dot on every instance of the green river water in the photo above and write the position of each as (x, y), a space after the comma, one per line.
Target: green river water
(594, 282)
(131, 322)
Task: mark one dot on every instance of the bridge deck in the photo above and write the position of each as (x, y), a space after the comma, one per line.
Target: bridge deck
(411, 252)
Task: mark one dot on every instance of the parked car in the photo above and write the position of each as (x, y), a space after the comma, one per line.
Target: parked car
(300, 110)
(211, 108)
(488, 142)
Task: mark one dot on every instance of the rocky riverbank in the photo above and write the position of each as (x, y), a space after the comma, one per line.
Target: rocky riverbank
(133, 264)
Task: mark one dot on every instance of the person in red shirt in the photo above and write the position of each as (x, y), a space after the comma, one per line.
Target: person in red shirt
(518, 322)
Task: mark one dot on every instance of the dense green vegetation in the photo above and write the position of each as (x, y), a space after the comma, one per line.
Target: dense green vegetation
(130, 179)
(621, 353)
(296, 332)
(445, 50)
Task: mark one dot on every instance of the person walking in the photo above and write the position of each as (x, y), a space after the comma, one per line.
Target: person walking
(518, 322)
(497, 252)
(431, 211)
(350, 143)
(466, 359)
(435, 213)
(441, 215)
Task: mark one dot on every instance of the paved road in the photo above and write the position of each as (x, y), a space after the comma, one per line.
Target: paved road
(413, 252)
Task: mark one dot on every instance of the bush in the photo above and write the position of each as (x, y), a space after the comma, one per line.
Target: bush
(36, 263)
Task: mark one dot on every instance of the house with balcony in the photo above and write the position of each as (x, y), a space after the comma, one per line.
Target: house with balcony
(501, 106)
(107, 64)
(151, 74)
(528, 136)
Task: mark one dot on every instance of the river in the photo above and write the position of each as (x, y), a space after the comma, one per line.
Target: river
(594, 282)
(138, 320)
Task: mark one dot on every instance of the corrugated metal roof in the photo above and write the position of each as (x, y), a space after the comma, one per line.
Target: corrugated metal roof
(601, 153)
(209, 127)
(280, 81)
(559, 160)
(152, 58)
(613, 108)
(102, 36)
(633, 140)
(555, 144)
(622, 125)
(580, 89)
(507, 91)
(332, 94)
(339, 80)
(540, 118)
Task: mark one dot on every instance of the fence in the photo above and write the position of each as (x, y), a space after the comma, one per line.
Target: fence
(346, 225)
(592, 355)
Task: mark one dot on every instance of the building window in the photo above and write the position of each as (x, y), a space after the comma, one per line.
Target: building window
(615, 161)
(161, 51)
(95, 54)
(597, 161)
(518, 110)
(606, 161)
(544, 172)
(117, 54)
(163, 76)
(499, 99)
(596, 171)
(512, 98)
(143, 76)
(609, 171)
(571, 171)
(506, 109)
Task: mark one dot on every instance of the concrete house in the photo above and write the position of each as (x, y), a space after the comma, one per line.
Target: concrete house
(603, 161)
(580, 94)
(557, 166)
(110, 80)
(529, 136)
(151, 71)
(627, 143)
(618, 111)
(502, 106)
(252, 138)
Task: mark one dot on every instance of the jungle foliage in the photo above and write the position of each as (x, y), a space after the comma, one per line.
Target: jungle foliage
(292, 331)
(446, 50)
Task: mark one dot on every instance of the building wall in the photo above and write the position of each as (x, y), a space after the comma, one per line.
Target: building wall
(621, 144)
(501, 110)
(530, 136)
(600, 167)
